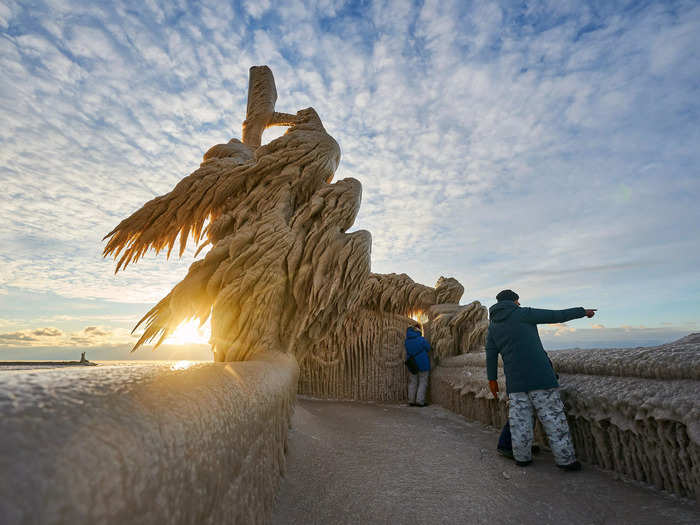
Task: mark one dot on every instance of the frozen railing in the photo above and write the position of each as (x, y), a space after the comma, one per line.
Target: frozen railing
(152, 442)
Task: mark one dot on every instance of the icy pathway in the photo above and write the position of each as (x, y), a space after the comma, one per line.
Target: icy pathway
(369, 463)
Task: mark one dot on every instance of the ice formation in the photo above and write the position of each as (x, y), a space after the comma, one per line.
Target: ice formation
(145, 442)
(281, 270)
(364, 360)
(281, 274)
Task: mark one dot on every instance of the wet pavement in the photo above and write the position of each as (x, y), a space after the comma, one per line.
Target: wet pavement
(372, 463)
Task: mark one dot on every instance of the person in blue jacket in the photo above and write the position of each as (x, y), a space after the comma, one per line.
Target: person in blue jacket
(531, 383)
(418, 347)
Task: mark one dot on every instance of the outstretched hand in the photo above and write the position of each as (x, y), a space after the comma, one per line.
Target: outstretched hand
(493, 386)
(591, 312)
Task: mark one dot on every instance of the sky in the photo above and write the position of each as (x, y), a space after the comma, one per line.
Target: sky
(546, 147)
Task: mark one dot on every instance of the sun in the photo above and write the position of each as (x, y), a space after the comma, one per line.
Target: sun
(190, 333)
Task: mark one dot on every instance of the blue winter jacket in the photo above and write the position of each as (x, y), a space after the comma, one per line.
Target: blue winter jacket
(417, 346)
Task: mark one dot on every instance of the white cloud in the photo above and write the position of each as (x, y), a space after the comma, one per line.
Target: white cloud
(256, 8)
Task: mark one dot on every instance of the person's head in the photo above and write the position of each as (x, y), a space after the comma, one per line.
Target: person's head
(508, 295)
(413, 329)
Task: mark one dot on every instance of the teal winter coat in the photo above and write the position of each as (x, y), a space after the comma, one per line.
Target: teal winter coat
(513, 334)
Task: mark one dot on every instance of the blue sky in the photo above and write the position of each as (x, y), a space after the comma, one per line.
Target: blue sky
(548, 147)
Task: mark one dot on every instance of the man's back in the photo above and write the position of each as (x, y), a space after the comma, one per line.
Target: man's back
(513, 334)
(417, 346)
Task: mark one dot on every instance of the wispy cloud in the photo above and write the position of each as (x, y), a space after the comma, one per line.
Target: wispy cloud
(550, 147)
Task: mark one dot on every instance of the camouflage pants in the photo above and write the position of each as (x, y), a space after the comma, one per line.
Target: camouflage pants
(550, 411)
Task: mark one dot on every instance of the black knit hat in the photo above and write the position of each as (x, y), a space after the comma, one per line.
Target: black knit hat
(507, 295)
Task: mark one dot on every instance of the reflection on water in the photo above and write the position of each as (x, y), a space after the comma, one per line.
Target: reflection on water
(18, 366)
(181, 365)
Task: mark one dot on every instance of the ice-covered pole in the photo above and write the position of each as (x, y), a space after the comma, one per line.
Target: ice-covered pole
(260, 111)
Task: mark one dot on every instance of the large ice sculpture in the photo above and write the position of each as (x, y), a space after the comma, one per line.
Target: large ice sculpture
(281, 273)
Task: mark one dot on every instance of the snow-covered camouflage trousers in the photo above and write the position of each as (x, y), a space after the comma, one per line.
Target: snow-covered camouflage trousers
(550, 411)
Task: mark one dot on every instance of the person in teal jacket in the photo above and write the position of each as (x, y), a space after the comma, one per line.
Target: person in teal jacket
(531, 383)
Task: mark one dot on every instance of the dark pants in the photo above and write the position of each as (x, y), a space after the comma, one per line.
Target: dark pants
(504, 441)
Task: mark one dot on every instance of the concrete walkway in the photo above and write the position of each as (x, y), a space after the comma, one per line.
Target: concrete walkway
(370, 463)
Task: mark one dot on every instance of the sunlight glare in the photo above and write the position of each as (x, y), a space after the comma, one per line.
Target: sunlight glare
(190, 333)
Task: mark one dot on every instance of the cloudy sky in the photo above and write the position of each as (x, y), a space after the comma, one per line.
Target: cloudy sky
(547, 147)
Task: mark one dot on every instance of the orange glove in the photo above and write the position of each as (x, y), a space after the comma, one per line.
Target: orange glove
(493, 386)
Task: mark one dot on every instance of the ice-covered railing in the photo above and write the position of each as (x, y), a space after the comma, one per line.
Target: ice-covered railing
(147, 443)
(635, 411)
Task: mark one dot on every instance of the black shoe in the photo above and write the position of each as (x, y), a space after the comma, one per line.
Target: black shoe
(535, 449)
(523, 463)
(571, 466)
(505, 452)
(412, 405)
(422, 405)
